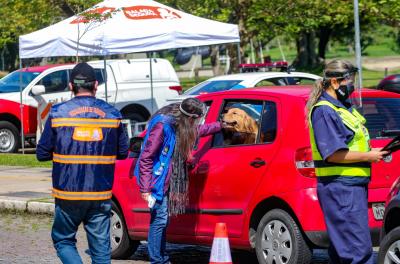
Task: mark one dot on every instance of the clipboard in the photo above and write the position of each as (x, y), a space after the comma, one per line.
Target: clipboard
(393, 145)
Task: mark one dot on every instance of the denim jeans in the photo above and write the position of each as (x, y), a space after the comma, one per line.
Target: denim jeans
(157, 232)
(95, 216)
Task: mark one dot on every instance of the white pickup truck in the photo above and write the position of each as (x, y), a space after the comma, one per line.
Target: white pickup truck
(128, 89)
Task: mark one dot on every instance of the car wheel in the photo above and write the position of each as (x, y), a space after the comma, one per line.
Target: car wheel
(9, 137)
(280, 241)
(134, 117)
(122, 246)
(389, 250)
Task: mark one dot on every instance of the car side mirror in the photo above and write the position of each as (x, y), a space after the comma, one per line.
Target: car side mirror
(38, 90)
(135, 146)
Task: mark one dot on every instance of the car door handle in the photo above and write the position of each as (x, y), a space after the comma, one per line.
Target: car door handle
(257, 163)
(203, 168)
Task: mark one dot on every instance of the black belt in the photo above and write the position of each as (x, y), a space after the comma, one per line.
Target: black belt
(324, 164)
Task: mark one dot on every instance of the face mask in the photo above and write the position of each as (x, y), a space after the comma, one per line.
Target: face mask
(344, 91)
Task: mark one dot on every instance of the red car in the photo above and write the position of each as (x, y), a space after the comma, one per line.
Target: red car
(265, 191)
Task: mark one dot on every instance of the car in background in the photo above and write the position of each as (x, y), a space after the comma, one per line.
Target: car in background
(389, 251)
(263, 189)
(246, 80)
(390, 83)
(128, 89)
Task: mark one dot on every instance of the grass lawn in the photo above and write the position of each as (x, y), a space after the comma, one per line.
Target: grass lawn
(28, 160)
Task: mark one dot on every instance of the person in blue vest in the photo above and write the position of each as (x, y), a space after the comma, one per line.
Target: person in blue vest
(83, 136)
(162, 167)
(342, 158)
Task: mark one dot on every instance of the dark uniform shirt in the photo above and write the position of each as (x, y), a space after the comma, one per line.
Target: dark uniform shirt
(332, 135)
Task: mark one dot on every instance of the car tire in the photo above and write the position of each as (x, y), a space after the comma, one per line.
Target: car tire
(122, 247)
(280, 240)
(390, 246)
(9, 137)
(134, 117)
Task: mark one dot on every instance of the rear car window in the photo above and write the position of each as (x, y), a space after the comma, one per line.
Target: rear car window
(383, 116)
(248, 122)
(212, 86)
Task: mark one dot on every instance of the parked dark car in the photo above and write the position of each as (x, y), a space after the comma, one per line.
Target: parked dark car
(390, 83)
(389, 251)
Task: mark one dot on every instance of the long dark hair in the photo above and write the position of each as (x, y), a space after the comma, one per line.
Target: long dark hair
(186, 127)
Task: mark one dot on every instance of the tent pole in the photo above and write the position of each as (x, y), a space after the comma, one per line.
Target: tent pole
(357, 41)
(105, 78)
(238, 55)
(151, 82)
(21, 107)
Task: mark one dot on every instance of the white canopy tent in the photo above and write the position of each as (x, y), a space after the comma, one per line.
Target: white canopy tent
(128, 26)
(134, 26)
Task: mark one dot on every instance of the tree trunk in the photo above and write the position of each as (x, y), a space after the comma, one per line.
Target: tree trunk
(306, 51)
(324, 36)
(215, 63)
(65, 7)
(10, 62)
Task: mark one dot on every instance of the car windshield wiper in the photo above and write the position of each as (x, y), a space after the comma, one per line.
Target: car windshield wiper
(390, 132)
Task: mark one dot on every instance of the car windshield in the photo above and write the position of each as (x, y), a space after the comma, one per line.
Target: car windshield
(212, 86)
(382, 115)
(11, 82)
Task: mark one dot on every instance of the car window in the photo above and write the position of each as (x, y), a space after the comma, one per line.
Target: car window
(299, 81)
(268, 122)
(11, 82)
(55, 82)
(382, 115)
(242, 120)
(272, 82)
(212, 86)
(203, 119)
(99, 75)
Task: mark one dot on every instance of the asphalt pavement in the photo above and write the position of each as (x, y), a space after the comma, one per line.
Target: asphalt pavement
(28, 190)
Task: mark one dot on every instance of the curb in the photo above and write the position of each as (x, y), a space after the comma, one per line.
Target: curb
(27, 206)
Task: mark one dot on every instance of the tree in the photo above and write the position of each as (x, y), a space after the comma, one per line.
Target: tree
(19, 17)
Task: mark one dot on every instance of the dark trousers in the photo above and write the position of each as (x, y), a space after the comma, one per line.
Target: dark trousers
(345, 211)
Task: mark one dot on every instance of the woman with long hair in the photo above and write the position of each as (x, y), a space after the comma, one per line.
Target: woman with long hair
(342, 158)
(162, 166)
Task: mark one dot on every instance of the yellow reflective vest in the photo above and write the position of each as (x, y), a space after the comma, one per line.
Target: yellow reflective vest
(360, 142)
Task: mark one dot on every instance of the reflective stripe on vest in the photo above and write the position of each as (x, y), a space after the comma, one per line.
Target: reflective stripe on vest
(81, 195)
(85, 122)
(360, 142)
(83, 159)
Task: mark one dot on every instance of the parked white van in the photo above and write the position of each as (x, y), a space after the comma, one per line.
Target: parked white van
(128, 89)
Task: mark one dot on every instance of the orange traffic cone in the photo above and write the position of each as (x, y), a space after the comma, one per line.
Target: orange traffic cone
(220, 251)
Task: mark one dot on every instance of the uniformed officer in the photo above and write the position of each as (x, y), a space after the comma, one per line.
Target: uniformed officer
(342, 157)
(83, 136)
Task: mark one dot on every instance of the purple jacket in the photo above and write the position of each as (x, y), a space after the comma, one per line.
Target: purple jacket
(152, 148)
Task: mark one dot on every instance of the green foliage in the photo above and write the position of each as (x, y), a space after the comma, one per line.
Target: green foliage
(21, 17)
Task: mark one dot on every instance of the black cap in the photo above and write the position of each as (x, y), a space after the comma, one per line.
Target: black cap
(82, 73)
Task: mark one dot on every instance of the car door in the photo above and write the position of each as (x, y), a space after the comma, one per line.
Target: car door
(56, 91)
(56, 87)
(228, 171)
(111, 85)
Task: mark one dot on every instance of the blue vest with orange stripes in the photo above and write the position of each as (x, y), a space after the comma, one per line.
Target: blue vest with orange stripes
(163, 160)
(85, 148)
